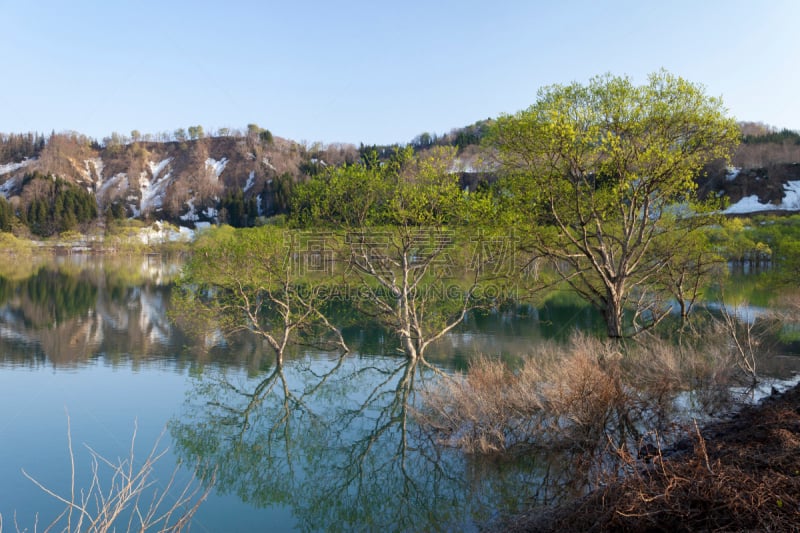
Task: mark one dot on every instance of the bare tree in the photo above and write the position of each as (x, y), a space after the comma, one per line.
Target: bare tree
(247, 280)
(121, 496)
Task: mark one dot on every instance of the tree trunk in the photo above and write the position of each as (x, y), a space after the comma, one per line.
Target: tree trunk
(409, 347)
(613, 315)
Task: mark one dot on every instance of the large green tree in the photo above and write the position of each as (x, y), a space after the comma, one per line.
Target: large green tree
(609, 170)
(405, 243)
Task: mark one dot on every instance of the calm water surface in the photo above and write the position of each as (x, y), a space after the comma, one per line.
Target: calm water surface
(321, 443)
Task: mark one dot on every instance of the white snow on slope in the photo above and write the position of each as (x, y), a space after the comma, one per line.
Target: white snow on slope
(750, 204)
(153, 188)
(191, 215)
(152, 192)
(161, 232)
(216, 166)
(5, 188)
(156, 168)
(118, 181)
(251, 179)
(11, 167)
(98, 169)
(459, 166)
(733, 173)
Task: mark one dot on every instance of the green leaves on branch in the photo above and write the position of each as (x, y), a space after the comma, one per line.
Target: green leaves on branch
(248, 280)
(405, 191)
(608, 170)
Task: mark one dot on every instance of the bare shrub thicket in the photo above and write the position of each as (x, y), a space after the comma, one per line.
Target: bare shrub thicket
(584, 395)
(739, 474)
(123, 495)
(766, 154)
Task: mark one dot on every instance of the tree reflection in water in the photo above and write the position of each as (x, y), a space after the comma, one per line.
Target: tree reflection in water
(331, 439)
(335, 441)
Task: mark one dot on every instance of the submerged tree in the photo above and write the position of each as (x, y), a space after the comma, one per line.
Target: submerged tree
(610, 167)
(405, 244)
(248, 280)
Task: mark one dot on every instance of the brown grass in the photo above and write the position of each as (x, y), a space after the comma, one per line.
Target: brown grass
(738, 475)
(583, 395)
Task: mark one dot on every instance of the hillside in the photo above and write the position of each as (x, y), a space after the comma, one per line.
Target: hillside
(176, 180)
(236, 177)
(764, 174)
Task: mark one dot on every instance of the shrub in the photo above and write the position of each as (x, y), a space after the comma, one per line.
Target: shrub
(124, 495)
(584, 395)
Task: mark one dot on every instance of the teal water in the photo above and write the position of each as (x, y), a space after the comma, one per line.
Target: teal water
(323, 443)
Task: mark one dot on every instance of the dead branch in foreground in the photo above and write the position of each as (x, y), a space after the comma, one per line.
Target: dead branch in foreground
(123, 496)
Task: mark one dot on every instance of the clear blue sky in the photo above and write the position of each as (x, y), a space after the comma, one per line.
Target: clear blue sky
(371, 71)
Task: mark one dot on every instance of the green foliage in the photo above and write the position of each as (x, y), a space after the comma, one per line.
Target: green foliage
(763, 240)
(10, 244)
(57, 206)
(473, 134)
(247, 279)
(6, 215)
(281, 191)
(459, 137)
(59, 295)
(372, 155)
(196, 132)
(116, 211)
(402, 191)
(403, 219)
(348, 195)
(18, 146)
(779, 137)
(605, 169)
(238, 211)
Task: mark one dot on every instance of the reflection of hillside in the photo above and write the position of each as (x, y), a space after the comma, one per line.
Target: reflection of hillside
(74, 309)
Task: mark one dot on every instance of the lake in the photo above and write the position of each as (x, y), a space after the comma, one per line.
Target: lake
(324, 442)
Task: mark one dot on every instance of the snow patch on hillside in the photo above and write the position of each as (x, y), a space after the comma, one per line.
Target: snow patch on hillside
(153, 188)
(161, 232)
(191, 215)
(732, 173)
(97, 163)
(750, 204)
(156, 168)
(5, 188)
(117, 181)
(251, 179)
(152, 192)
(460, 166)
(269, 165)
(11, 167)
(216, 166)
